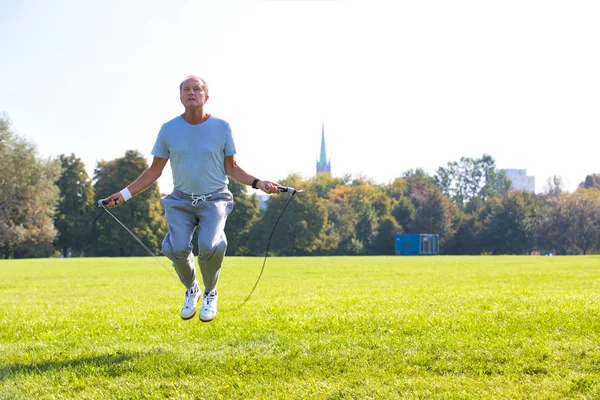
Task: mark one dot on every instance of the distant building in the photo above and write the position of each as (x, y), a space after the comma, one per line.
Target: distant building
(323, 164)
(417, 244)
(520, 180)
(263, 199)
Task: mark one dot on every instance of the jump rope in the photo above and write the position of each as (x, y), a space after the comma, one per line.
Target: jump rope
(103, 203)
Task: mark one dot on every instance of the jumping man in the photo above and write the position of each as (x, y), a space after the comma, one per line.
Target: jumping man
(202, 153)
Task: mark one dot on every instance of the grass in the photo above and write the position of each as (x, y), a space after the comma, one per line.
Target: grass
(315, 328)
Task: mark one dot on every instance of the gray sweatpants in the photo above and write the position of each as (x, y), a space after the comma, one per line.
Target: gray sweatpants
(208, 213)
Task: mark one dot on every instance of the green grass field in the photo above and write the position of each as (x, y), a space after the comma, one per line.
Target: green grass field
(315, 328)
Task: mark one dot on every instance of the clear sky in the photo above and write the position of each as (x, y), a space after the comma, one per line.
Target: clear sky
(398, 84)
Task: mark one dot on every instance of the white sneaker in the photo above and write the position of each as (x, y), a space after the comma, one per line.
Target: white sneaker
(189, 304)
(208, 311)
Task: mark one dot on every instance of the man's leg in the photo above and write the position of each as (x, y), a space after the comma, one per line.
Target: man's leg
(212, 242)
(177, 244)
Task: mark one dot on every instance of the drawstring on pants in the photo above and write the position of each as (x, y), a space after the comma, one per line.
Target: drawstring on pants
(202, 197)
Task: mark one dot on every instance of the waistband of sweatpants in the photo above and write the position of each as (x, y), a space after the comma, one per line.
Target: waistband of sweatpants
(207, 195)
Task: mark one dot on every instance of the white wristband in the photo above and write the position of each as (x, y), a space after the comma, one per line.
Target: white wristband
(126, 194)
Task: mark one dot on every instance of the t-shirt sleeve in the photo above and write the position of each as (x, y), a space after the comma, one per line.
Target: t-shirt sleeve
(160, 148)
(229, 149)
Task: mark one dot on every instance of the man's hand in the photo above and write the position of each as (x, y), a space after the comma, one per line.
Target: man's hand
(112, 198)
(268, 186)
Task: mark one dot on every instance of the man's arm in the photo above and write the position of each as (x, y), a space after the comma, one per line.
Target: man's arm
(143, 182)
(237, 173)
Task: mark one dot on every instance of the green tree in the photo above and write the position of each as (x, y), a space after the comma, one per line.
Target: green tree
(384, 241)
(142, 215)
(382, 204)
(433, 215)
(323, 184)
(507, 224)
(582, 213)
(301, 229)
(590, 181)
(538, 225)
(553, 224)
(342, 219)
(567, 223)
(471, 178)
(418, 184)
(366, 225)
(404, 212)
(467, 239)
(28, 197)
(245, 212)
(356, 211)
(396, 189)
(432, 210)
(75, 208)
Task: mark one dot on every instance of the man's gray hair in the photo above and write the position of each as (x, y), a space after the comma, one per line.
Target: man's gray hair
(194, 77)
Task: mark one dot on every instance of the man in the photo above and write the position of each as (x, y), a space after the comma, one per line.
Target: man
(202, 153)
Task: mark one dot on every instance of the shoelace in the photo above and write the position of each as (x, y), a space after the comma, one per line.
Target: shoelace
(209, 298)
(190, 294)
(202, 197)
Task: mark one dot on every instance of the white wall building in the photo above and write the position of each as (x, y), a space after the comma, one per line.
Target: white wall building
(520, 180)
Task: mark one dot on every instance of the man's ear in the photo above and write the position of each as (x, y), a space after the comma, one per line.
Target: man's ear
(205, 99)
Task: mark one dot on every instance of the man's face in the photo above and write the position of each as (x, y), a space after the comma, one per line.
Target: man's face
(193, 93)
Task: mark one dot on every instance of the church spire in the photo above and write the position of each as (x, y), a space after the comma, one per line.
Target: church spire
(323, 159)
(323, 164)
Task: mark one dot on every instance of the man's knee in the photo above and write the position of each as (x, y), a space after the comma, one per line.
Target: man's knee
(175, 252)
(207, 250)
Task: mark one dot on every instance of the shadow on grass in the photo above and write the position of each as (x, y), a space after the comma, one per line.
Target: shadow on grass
(112, 365)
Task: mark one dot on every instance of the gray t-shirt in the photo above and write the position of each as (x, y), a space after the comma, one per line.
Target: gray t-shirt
(197, 153)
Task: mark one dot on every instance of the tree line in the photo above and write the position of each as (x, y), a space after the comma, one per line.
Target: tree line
(48, 208)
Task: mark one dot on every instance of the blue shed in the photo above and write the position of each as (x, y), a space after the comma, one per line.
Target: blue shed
(417, 244)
